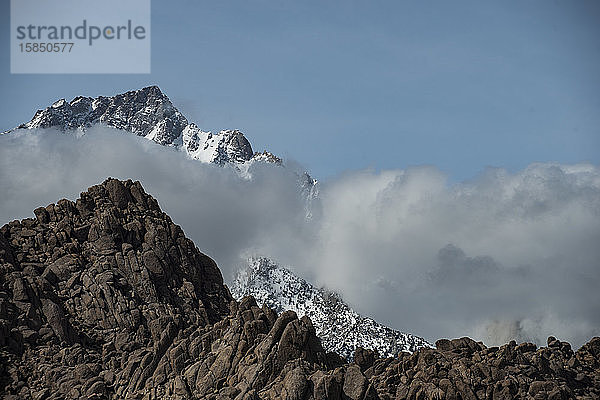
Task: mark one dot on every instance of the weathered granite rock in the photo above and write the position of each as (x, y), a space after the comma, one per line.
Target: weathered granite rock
(108, 285)
(465, 369)
(106, 298)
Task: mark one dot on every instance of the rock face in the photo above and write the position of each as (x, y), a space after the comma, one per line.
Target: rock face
(149, 113)
(341, 329)
(146, 112)
(98, 290)
(106, 298)
(228, 146)
(465, 369)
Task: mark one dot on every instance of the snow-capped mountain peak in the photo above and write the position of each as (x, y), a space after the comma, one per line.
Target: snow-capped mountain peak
(146, 112)
(225, 146)
(149, 113)
(340, 328)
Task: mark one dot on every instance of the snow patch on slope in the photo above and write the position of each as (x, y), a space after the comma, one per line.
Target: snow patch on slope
(340, 328)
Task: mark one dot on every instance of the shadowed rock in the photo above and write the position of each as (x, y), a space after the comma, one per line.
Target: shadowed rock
(105, 297)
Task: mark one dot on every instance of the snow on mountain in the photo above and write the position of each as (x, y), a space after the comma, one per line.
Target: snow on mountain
(149, 113)
(146, 112)
(226, 146)
(340, 328)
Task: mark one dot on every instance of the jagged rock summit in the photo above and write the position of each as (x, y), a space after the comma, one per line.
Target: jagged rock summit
(105, 298)
(341, 329)
(146, 112)
(104, 283)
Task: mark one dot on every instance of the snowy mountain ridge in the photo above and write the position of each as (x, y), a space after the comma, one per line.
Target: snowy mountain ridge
(340, 328)
(149, 113)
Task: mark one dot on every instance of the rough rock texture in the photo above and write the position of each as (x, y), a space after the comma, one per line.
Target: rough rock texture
(465, 369)
(341, 329)
(146, 112)
(227, 146)
(268, 157)
(106, 298)
(97, 292)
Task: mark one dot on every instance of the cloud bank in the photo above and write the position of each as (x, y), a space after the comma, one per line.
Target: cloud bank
(504, 256)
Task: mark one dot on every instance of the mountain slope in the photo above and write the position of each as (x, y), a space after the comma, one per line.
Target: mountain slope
(105, 298)
(340, 328)
(149, 113)
(96, 291)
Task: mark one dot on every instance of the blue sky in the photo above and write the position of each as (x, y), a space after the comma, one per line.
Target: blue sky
(351, 85)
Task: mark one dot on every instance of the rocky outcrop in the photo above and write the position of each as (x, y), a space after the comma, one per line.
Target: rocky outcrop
(146, 112)
(465, 369)
(94, 294)
(149, 113)
(341, 329)
(105, 298)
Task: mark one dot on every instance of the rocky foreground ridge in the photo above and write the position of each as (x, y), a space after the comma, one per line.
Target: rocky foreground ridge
(105, 297)
(340, 328)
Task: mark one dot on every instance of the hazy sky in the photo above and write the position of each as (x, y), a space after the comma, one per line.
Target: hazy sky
(345, 85)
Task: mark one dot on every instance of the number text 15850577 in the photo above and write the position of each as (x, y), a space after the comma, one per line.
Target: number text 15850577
(35, 47)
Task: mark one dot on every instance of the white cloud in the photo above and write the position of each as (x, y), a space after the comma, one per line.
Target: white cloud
(223, 214)
(432, 258)
(505, 255)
